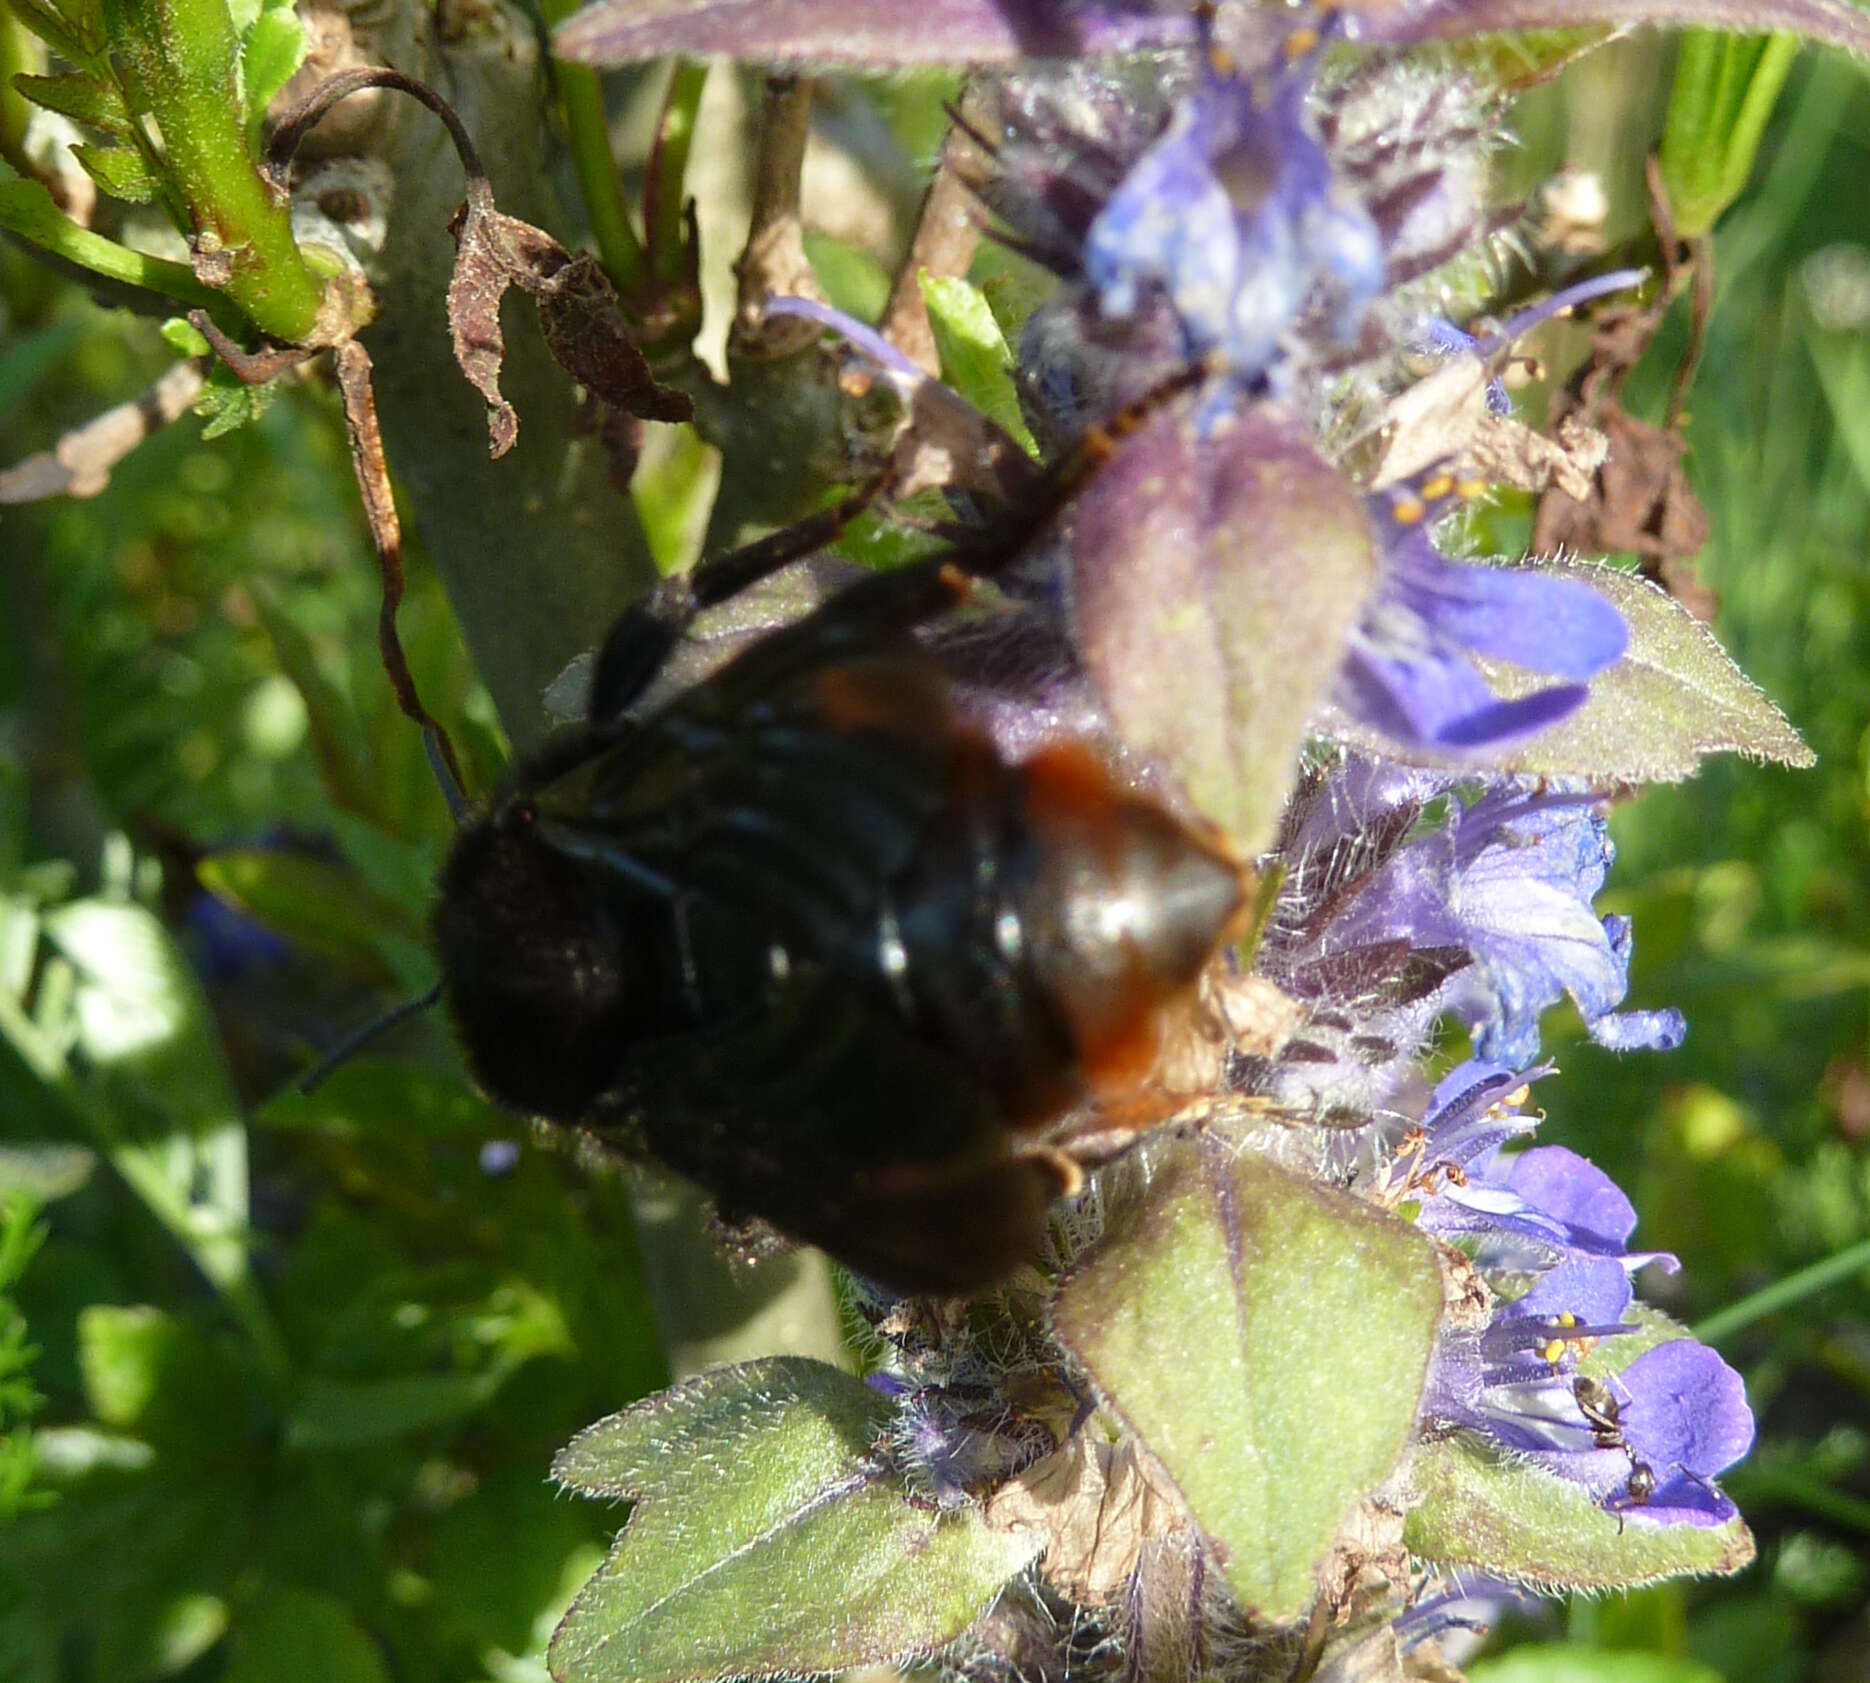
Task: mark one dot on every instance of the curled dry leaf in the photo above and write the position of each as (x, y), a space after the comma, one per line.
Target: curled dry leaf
(577, 311)
(1096, 1503)
(1444, 417)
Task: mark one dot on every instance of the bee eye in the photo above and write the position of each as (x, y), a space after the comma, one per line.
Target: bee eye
(535, 971)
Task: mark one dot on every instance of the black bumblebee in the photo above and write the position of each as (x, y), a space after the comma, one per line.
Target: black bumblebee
(808, 938)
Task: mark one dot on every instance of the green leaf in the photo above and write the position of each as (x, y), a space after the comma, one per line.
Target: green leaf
(44, 1172)
(272, 49)
(389, 1099)
(1568, 1663)
(806, 1558)
(339, 1414)
(854, 281)
(974, 356)
(311, 901)
(75, 32)
(1474, 1509)
(148, 1371)
(226, 402)
(1267, 1339)
(183, 337)
(1675, 696)
(94, 101)
(119, 172)
(297, 1635)
(1213, 583)
(1724, 92)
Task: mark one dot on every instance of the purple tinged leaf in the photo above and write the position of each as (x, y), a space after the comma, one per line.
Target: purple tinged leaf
(1836, 23)
(1214, 578)
(871, 34)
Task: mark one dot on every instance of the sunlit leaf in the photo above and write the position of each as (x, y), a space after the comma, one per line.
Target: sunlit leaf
(1267, 1340)
(1473, 1507)
(768, 1537)
(1836, 23)
(92, 100)
(1213, 582)
(1574, 1663)
(975, 359)
(119, 172)
(1674, 697)
(874, 34)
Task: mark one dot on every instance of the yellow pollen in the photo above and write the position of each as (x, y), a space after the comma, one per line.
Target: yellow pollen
(1567, 1319)
(1438, 487)
(1300, 42)
(1220, 61)
(1468, 489)
(1408, 511)
(1552, 1349)
(1517, 1097)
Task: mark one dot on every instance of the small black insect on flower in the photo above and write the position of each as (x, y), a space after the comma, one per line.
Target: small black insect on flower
(809, 938)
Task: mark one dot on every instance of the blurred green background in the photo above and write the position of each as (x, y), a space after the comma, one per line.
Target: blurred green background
(322, 1455)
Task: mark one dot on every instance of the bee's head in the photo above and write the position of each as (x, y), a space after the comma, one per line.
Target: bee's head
(532, 967)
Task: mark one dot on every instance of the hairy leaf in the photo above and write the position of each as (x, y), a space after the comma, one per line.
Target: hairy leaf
(1675, 696)
(1474, 1509)
(94, 101)
(119, 172)
(271, 49)
(869, 34)
(768, 1537)
(1267, 1339)
(1213, 582)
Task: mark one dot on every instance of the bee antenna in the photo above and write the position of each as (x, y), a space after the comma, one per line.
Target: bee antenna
(440, 762)
(358, 1039)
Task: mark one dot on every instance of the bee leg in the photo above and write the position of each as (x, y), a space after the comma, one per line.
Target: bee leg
(646, 633)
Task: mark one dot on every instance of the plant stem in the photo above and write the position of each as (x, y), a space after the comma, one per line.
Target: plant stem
(1782, 1294)
(581, 99)
(663, 197)
(182, 56)
(26, 209)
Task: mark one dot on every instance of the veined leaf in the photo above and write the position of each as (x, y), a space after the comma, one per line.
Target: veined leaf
(768, 1538)
(1267, 1340)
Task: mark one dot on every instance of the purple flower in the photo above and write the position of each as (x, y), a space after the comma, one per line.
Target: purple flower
(1540, 1207)
(1234, 215)
(1409, 669)
(1684, 1415)
(1509, 1380)
(1511, 879)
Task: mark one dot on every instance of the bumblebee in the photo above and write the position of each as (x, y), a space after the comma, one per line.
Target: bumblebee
(805, 936)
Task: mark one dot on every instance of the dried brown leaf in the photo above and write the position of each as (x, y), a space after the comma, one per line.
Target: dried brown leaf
(577, 311)
(1097, 1504)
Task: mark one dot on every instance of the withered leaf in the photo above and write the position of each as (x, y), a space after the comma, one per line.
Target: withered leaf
(1096, 1503)
(577, 311)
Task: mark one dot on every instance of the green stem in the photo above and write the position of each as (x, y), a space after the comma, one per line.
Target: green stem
(581, 98)
(26, 209)
(663, 201)
(1782, 1294)
(18, 53)
(182, 57)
